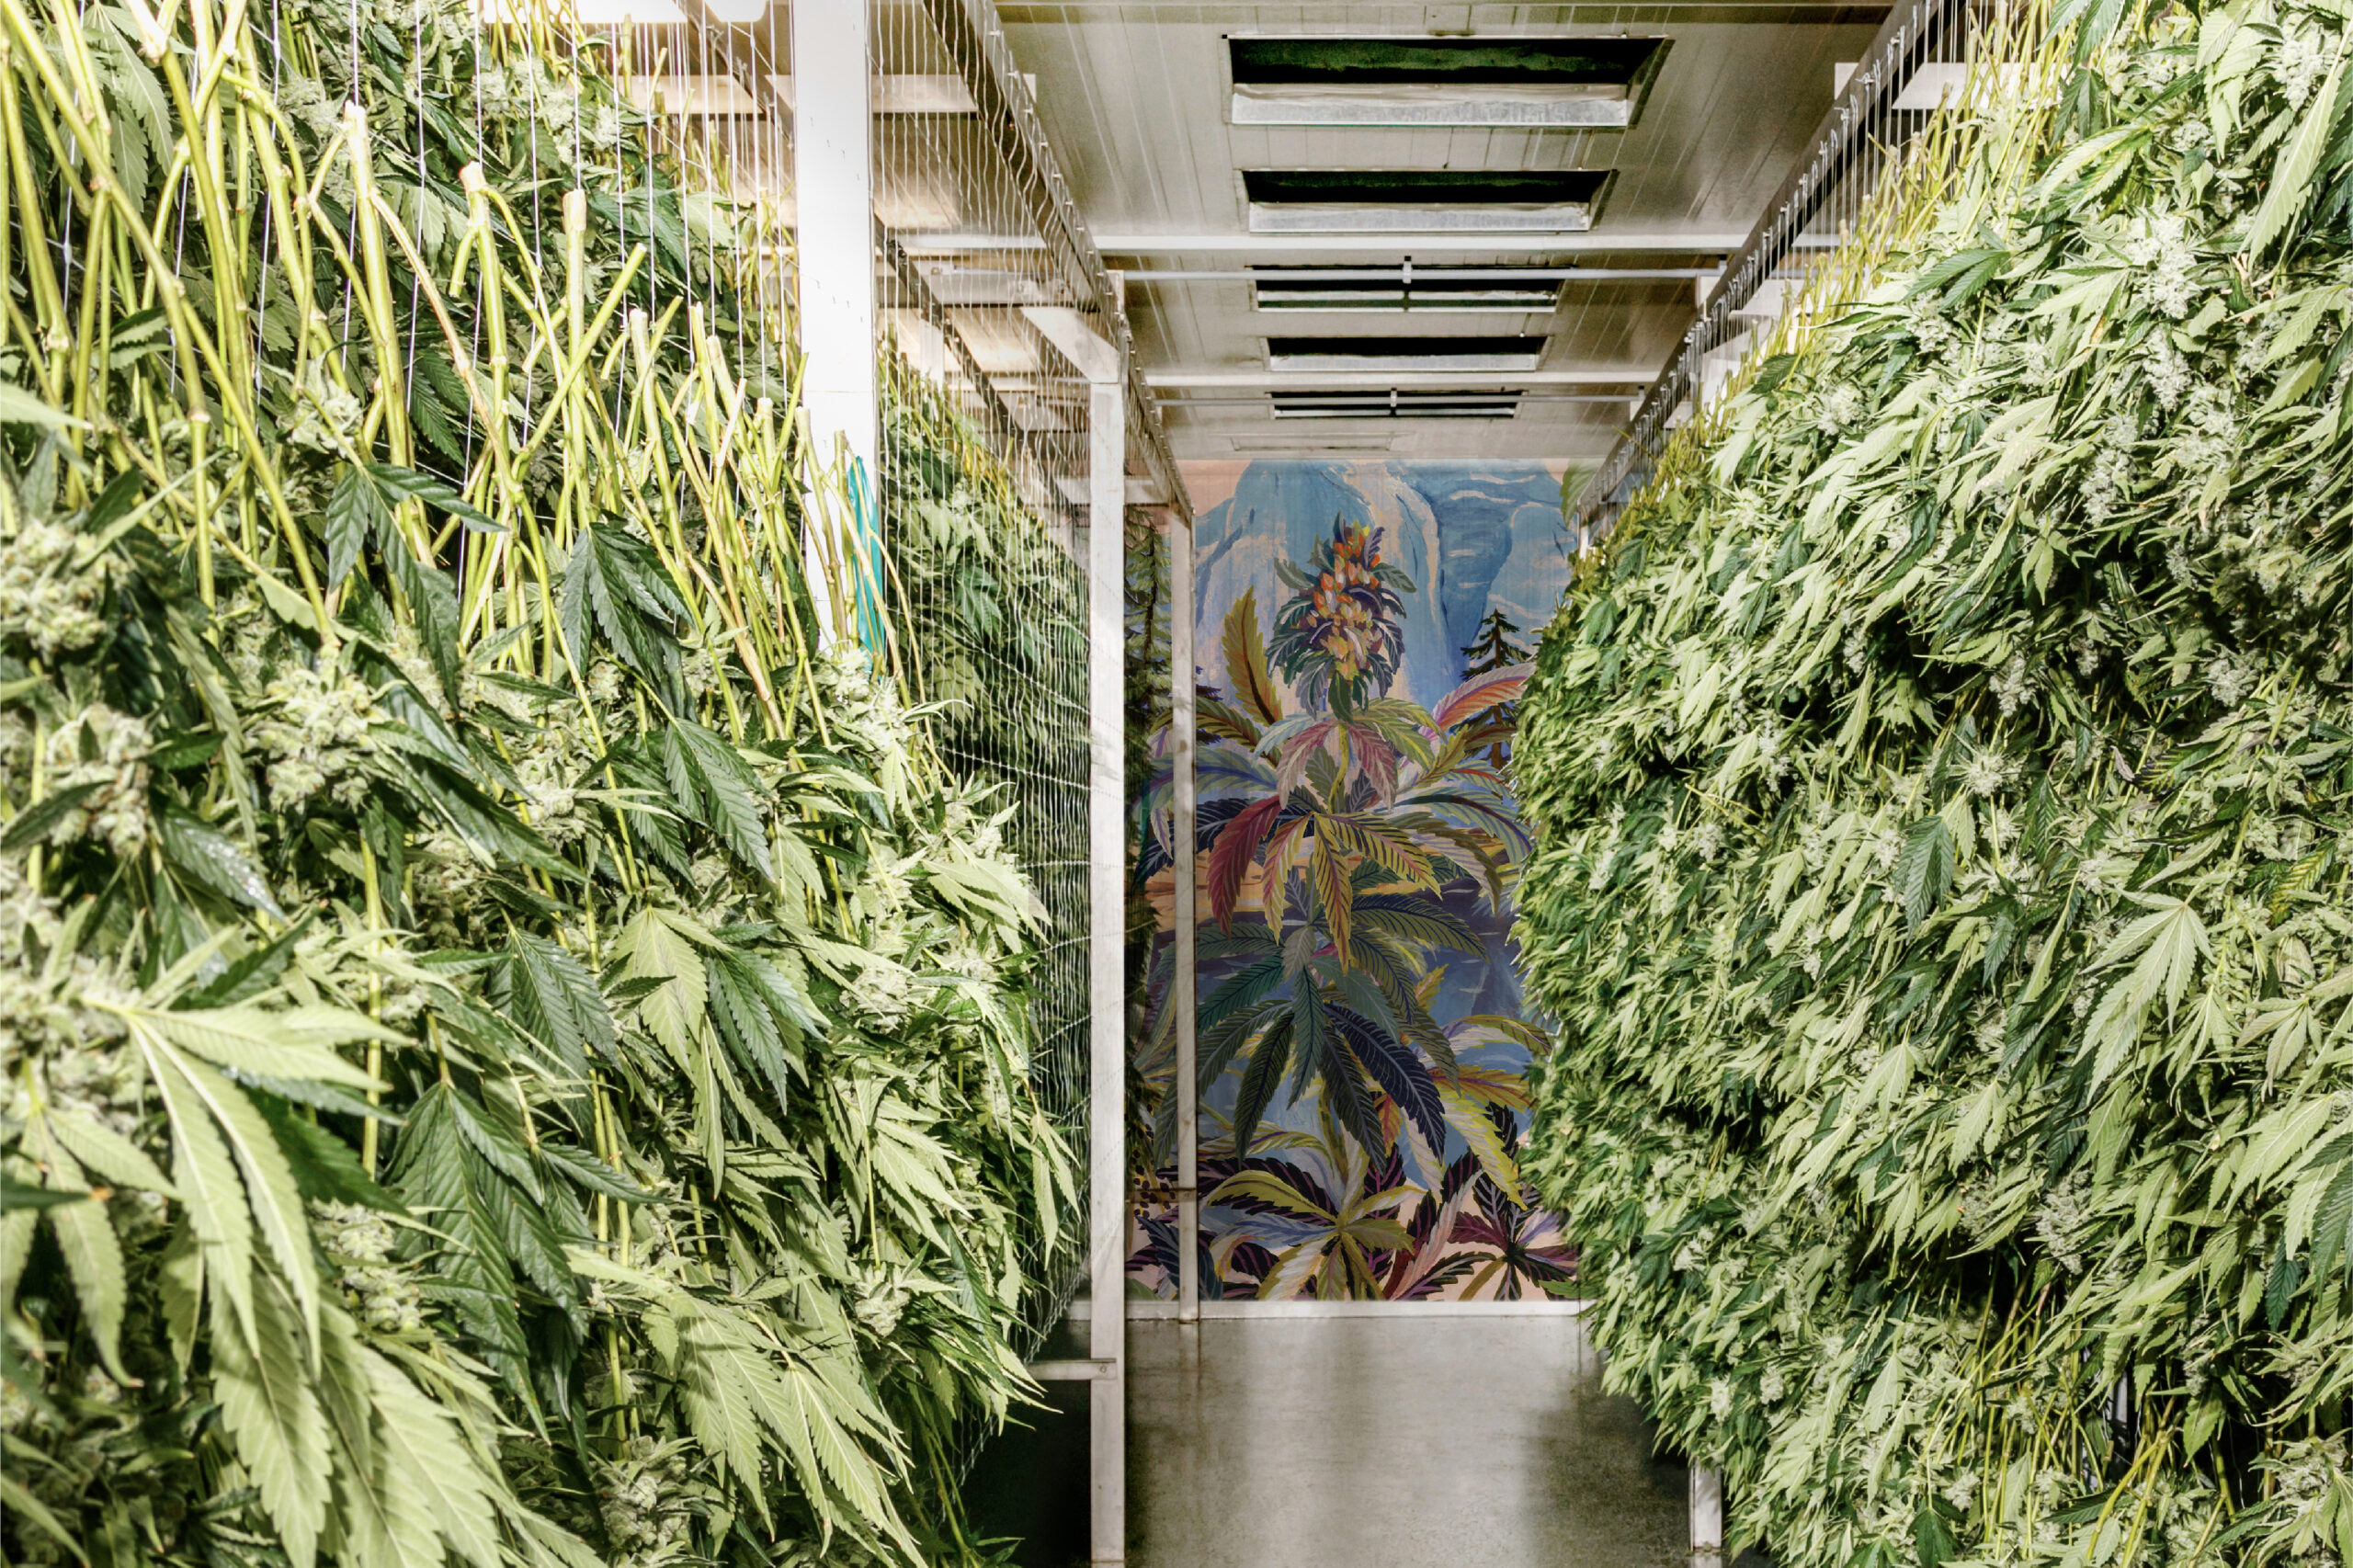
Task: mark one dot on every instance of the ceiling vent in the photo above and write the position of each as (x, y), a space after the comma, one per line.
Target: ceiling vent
(1316, 288)
(1394, 404)
(1590, 83)
(1377, 354)
(1339, 201)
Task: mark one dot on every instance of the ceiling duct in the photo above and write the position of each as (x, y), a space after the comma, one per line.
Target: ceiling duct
(1479, 354)
(1396, 406)
(1587, 83)
(1314, 289)
(1344, 201)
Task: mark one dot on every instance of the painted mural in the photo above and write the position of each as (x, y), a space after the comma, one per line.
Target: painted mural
(1362, 631)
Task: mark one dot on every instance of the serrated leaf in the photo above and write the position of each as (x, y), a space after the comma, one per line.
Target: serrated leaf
(214, 861)
(356, 512)
(1924, 868)
(1259, 1079)
(206, 1174)
(107, 1151)
(85, 1236)
(264, 1044)
(419, 1441)
(727, 787)
(616, 583)
(326, 1168)
(32, 825)
(407, 483)
(272, 1196)
(271, 1412)
(433, 603)
(2291, 174)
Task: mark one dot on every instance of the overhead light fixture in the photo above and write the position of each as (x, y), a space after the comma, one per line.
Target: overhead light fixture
(1483, 354)
(1594, 82)
(1284, 289)
(1396, 406)
(1423, 200)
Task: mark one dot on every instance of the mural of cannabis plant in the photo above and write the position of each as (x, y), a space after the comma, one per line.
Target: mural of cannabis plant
(1338, 634)
(1355, 847)
(1943, 783)
(514, 1052)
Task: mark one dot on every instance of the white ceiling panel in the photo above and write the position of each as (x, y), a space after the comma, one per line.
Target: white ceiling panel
(1135, 95)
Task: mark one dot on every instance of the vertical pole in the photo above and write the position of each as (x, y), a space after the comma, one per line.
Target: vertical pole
(1183, 990)
(1707, 1518)
(1108, 1056)
(833, 180)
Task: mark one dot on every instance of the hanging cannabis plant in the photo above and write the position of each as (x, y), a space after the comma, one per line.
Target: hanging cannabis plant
(1944, 893)
(513, 1053)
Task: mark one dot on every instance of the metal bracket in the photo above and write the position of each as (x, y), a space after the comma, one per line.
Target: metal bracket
(1075, 1372)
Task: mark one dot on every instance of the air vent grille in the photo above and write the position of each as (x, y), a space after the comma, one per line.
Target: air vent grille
(1419, 200)
(1396, 404)
(1403, 353)
(1595, 82)
(1285, 289)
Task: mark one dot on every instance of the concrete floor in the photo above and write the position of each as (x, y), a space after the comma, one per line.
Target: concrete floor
(1396, 1441)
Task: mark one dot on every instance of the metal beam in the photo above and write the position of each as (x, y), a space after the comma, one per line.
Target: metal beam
(833, 173)
(1182, 981)
(1107, 444)
(1566, 242)
(1372, 402)
(1075, 1372)
(1563, 243)
(1707, 1518)
(1403, 380)
(1008, 117)
(1429, 275)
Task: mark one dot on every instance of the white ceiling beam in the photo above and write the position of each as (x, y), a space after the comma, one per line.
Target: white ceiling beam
(1075, 337)
(1142, 490)
(904, 95)
(1407, 381)
(1426, 244)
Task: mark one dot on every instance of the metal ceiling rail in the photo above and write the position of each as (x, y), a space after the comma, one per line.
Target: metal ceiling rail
(1842, 161)
(1410, 398)
(1698, 242)
(976, 41)
(1429, 275)
(914, 293)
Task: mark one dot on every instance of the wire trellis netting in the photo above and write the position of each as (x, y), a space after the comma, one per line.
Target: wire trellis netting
(983, 454)
(1920, 57)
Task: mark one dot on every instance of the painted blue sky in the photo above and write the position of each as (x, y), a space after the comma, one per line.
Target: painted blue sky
(1471, 536)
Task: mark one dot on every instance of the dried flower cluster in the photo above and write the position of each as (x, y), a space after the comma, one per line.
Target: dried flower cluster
(513, 1049)
(1944, 784)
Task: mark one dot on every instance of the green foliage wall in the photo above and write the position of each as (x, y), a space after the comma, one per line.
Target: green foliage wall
(515, 1050)
(1944, 782)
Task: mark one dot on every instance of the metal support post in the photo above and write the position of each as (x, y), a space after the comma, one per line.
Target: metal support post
(1707, 1518)
(832, 177)
(1074, 336)
(1107, 1059)
(1183, 989)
